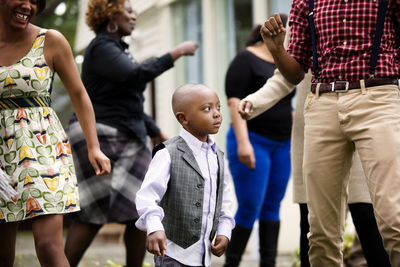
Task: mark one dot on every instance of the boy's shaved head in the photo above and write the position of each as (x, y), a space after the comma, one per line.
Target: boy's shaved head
(184, 95)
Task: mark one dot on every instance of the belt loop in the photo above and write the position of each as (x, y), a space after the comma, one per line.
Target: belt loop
(362, 86)
(317, 90)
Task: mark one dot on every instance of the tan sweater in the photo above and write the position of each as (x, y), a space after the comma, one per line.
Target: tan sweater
(275, 89)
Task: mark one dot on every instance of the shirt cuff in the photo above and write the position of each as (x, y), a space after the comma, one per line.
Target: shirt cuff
(225, 229)
(154, 224)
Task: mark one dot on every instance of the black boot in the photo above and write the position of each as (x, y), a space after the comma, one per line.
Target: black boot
(234, 252)
(268, 232)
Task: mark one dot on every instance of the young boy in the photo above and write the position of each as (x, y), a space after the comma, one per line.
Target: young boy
(185, 200)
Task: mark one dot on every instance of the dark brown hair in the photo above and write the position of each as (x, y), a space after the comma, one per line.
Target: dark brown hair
(99, 12)
(255, 35)
(41, 5)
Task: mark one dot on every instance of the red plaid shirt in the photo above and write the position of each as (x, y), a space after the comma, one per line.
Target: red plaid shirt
(345, 30)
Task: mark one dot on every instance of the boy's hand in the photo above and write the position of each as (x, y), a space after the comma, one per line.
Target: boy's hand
(220, 245)
(157, 243)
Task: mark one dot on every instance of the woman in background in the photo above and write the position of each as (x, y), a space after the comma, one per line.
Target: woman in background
(115, 83)
(34, 149)
(258, 153)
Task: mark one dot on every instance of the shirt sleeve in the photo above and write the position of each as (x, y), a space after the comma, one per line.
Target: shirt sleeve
(299, 45)
(238, 77)
(226, 220)
(109, 60)
(276, 88)
(152, 191)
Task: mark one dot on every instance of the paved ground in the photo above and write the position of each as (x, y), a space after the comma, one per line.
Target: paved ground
(107, 251)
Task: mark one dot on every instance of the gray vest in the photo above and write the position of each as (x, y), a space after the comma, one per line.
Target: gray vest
(183, 200)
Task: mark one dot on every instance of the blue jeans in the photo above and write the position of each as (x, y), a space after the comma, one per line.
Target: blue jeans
(260, 191)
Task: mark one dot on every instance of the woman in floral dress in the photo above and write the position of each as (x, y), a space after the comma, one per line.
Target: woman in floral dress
(34, 149)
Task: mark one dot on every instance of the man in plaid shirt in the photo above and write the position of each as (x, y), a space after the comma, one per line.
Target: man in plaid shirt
(349, 107)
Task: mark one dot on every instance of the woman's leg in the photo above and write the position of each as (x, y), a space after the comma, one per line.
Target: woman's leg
(135, 243)
(304, 229)
(8, 233)
(368, 233)
(250, 188)
(80, 236)
(47, 232)
(276, 188)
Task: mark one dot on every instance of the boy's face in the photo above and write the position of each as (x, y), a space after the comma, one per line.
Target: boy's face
(203, 116)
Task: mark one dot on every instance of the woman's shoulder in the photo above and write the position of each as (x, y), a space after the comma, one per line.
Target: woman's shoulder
(103, 41)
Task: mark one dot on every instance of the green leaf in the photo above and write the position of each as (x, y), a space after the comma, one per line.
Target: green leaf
(10, 169)
(48, 197)
(2, 203)
(59, 195)
(44, 151)
(10, 156)
(10, 217)
(68, 189)
(46, 160)
(3, 75)
(14, 74)
(27, 62)
(20, 215)
(36, 85)
(11, 206)
(25, 195)
(49, 207)
(35, 193)
(9, 121)
(60, 206)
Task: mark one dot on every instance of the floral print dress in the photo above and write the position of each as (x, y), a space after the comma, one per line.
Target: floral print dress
(34, 150)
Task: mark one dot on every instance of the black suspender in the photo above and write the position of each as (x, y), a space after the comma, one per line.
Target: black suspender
(313, 39)
(375, 47)
(378, 37)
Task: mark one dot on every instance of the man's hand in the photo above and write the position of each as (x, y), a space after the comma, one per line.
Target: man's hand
(157, 243)
(220, 245)
(273, 33)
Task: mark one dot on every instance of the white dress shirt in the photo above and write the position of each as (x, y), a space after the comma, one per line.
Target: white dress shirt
(155, 185)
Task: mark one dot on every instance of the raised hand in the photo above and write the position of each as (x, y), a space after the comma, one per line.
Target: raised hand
(273, 33)
(187, 48)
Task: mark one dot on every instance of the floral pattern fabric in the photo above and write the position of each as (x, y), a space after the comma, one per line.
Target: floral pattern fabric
(34, 149)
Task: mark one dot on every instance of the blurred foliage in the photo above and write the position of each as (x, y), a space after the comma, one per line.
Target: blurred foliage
(65, 23)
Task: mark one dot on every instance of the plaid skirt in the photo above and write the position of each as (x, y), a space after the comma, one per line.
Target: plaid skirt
(109, 198)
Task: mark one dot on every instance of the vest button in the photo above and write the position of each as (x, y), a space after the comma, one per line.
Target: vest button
(199, 185)
(196, 220)
(198, 204)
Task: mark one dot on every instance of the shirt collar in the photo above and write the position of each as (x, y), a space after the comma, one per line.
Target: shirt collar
(195, 144)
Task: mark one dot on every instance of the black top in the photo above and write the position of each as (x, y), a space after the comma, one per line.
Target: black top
(115, 83)
(246, 74)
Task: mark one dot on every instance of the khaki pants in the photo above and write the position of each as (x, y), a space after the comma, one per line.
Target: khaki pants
(336, 124)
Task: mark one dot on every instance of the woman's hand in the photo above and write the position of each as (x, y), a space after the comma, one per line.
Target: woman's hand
(246, 154)
(245, 108)
(100, 162)
(187, 48)
(161, 137)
